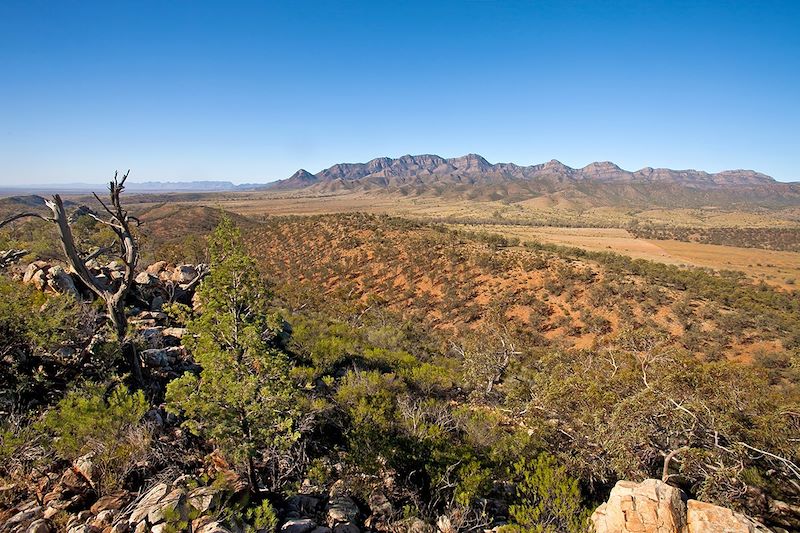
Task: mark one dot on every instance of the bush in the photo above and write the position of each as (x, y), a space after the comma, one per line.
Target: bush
(85, 422)
(33, 327)
(547, 499)
(263, 517)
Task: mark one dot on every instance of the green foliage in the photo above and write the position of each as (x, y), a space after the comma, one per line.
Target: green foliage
(180, 314)
(33, 327)
(243, 398)
(86, 422)
(369, 399)
(473, 482)
(430, 379)
(263, 517)
(548, 500)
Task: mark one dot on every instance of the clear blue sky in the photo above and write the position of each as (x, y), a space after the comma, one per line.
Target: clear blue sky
(252, 91)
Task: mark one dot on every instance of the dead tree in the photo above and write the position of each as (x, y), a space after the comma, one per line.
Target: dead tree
(9, 257)
(126, 249)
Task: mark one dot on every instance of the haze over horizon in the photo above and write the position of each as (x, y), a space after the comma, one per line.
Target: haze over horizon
(251, 92)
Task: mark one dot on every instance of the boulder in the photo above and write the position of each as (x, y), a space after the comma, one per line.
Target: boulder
(111, 502)
(104, 518)
(213, 527)
(205, 499)
(303, 525)
(147, 502)
(341, 509)
(708, 518)
(39, 280)
(173, 504)
(84, 466)
(303, 504)
(145, 279)
(157, 303)
(155, 357)
(78, 522)
(62, 282)
(32, 269)
(156, 268)
(184, 274)
(652, 506)
(72, 492)
(23, 516)
(177, 333)
(40, 526)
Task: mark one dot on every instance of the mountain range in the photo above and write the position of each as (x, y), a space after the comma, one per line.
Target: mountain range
(549, 184)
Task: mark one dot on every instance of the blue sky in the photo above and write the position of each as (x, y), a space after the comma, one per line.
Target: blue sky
(252, 91)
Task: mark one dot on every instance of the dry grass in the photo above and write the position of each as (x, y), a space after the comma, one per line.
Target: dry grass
(774, 267)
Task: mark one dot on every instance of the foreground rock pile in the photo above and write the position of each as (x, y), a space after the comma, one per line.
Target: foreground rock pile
(158, 284)
(69, 503)
(652, 506)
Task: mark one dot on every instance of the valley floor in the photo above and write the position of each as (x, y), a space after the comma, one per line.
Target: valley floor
(594, 229)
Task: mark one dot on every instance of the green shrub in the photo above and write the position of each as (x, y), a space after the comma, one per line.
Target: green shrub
(547, 498)
(33, 327)
(85, 422)
(243, 400)
(263, 517)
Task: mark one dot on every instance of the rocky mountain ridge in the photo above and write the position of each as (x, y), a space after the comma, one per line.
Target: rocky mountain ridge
(599, 183)
(409, 168)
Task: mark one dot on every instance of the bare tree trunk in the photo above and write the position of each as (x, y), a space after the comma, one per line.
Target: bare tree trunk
(665, 475)
(116, 313)
(126, 249)
(251, 474)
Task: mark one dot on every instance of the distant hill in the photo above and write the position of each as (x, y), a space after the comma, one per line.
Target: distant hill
(548, 184)
(31, 203)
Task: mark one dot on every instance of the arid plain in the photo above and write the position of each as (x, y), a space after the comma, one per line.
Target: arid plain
(596, 229)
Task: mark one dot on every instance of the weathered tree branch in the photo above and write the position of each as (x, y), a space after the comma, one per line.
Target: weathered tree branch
(9, 257)
(119, 222)
(665, 475)
(24, 215)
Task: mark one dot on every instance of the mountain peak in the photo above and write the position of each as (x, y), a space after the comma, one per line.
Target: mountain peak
(556, 165)
(470, 162)
(603, 170)
(303, 175)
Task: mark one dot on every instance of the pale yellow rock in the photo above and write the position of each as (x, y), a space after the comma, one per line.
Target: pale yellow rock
(707, 518)
(652, 506)
(647, 507)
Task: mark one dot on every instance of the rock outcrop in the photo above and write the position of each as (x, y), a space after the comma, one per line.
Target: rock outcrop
(157, 284)
(652, 506)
